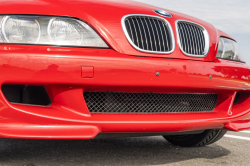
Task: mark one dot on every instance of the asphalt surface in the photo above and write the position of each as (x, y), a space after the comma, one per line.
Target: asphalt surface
(124, 151)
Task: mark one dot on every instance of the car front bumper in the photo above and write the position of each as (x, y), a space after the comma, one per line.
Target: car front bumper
(67, 72)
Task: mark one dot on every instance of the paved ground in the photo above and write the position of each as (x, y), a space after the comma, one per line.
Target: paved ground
(126, 151)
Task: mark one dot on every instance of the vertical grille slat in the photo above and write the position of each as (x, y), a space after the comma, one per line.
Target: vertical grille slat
(153, 32)
(193, 38)
(158, 36)
(203, 39)
(166, 39)
(135, 26)
(145, 37)
(149, 33)
(140, 33)
(189, 39)
(133, 31)
(118, 102)
(199, 41)
(162, 43)
(184, 38)
(130, 30)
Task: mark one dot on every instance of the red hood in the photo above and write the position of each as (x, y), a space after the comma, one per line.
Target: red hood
(105, 16)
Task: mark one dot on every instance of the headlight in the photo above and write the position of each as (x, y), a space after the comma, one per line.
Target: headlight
(228, 49)
(43, 30)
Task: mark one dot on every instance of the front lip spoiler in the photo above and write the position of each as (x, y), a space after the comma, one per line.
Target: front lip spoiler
(238, 126)
(49, 131)
(89, 132)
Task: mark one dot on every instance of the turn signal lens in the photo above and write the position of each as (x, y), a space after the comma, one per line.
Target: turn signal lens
(229, 49)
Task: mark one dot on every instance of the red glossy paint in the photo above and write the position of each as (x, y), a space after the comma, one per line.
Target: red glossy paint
(120, 68)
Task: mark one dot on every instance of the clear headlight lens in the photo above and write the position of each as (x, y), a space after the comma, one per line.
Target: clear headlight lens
(20, 30)
(229, 49)
(45, 30)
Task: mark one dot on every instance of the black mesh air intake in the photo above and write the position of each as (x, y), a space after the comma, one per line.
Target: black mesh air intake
(116, 102)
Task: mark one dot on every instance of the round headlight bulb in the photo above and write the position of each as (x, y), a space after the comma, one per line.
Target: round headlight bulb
(65, 31)
(20, 29)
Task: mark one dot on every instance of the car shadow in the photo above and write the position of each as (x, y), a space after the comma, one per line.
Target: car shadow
(123, 151)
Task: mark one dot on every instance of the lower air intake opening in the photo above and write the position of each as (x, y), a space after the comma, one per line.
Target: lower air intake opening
(116, 102)
(26, 94)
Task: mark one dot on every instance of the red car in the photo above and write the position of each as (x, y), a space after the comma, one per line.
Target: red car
(85, 69)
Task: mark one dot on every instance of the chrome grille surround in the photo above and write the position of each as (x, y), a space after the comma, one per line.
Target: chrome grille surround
(192, 38)
(120, 102)
(150, 38)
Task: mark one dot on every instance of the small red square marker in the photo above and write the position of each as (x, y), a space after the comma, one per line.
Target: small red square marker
(87, 72)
